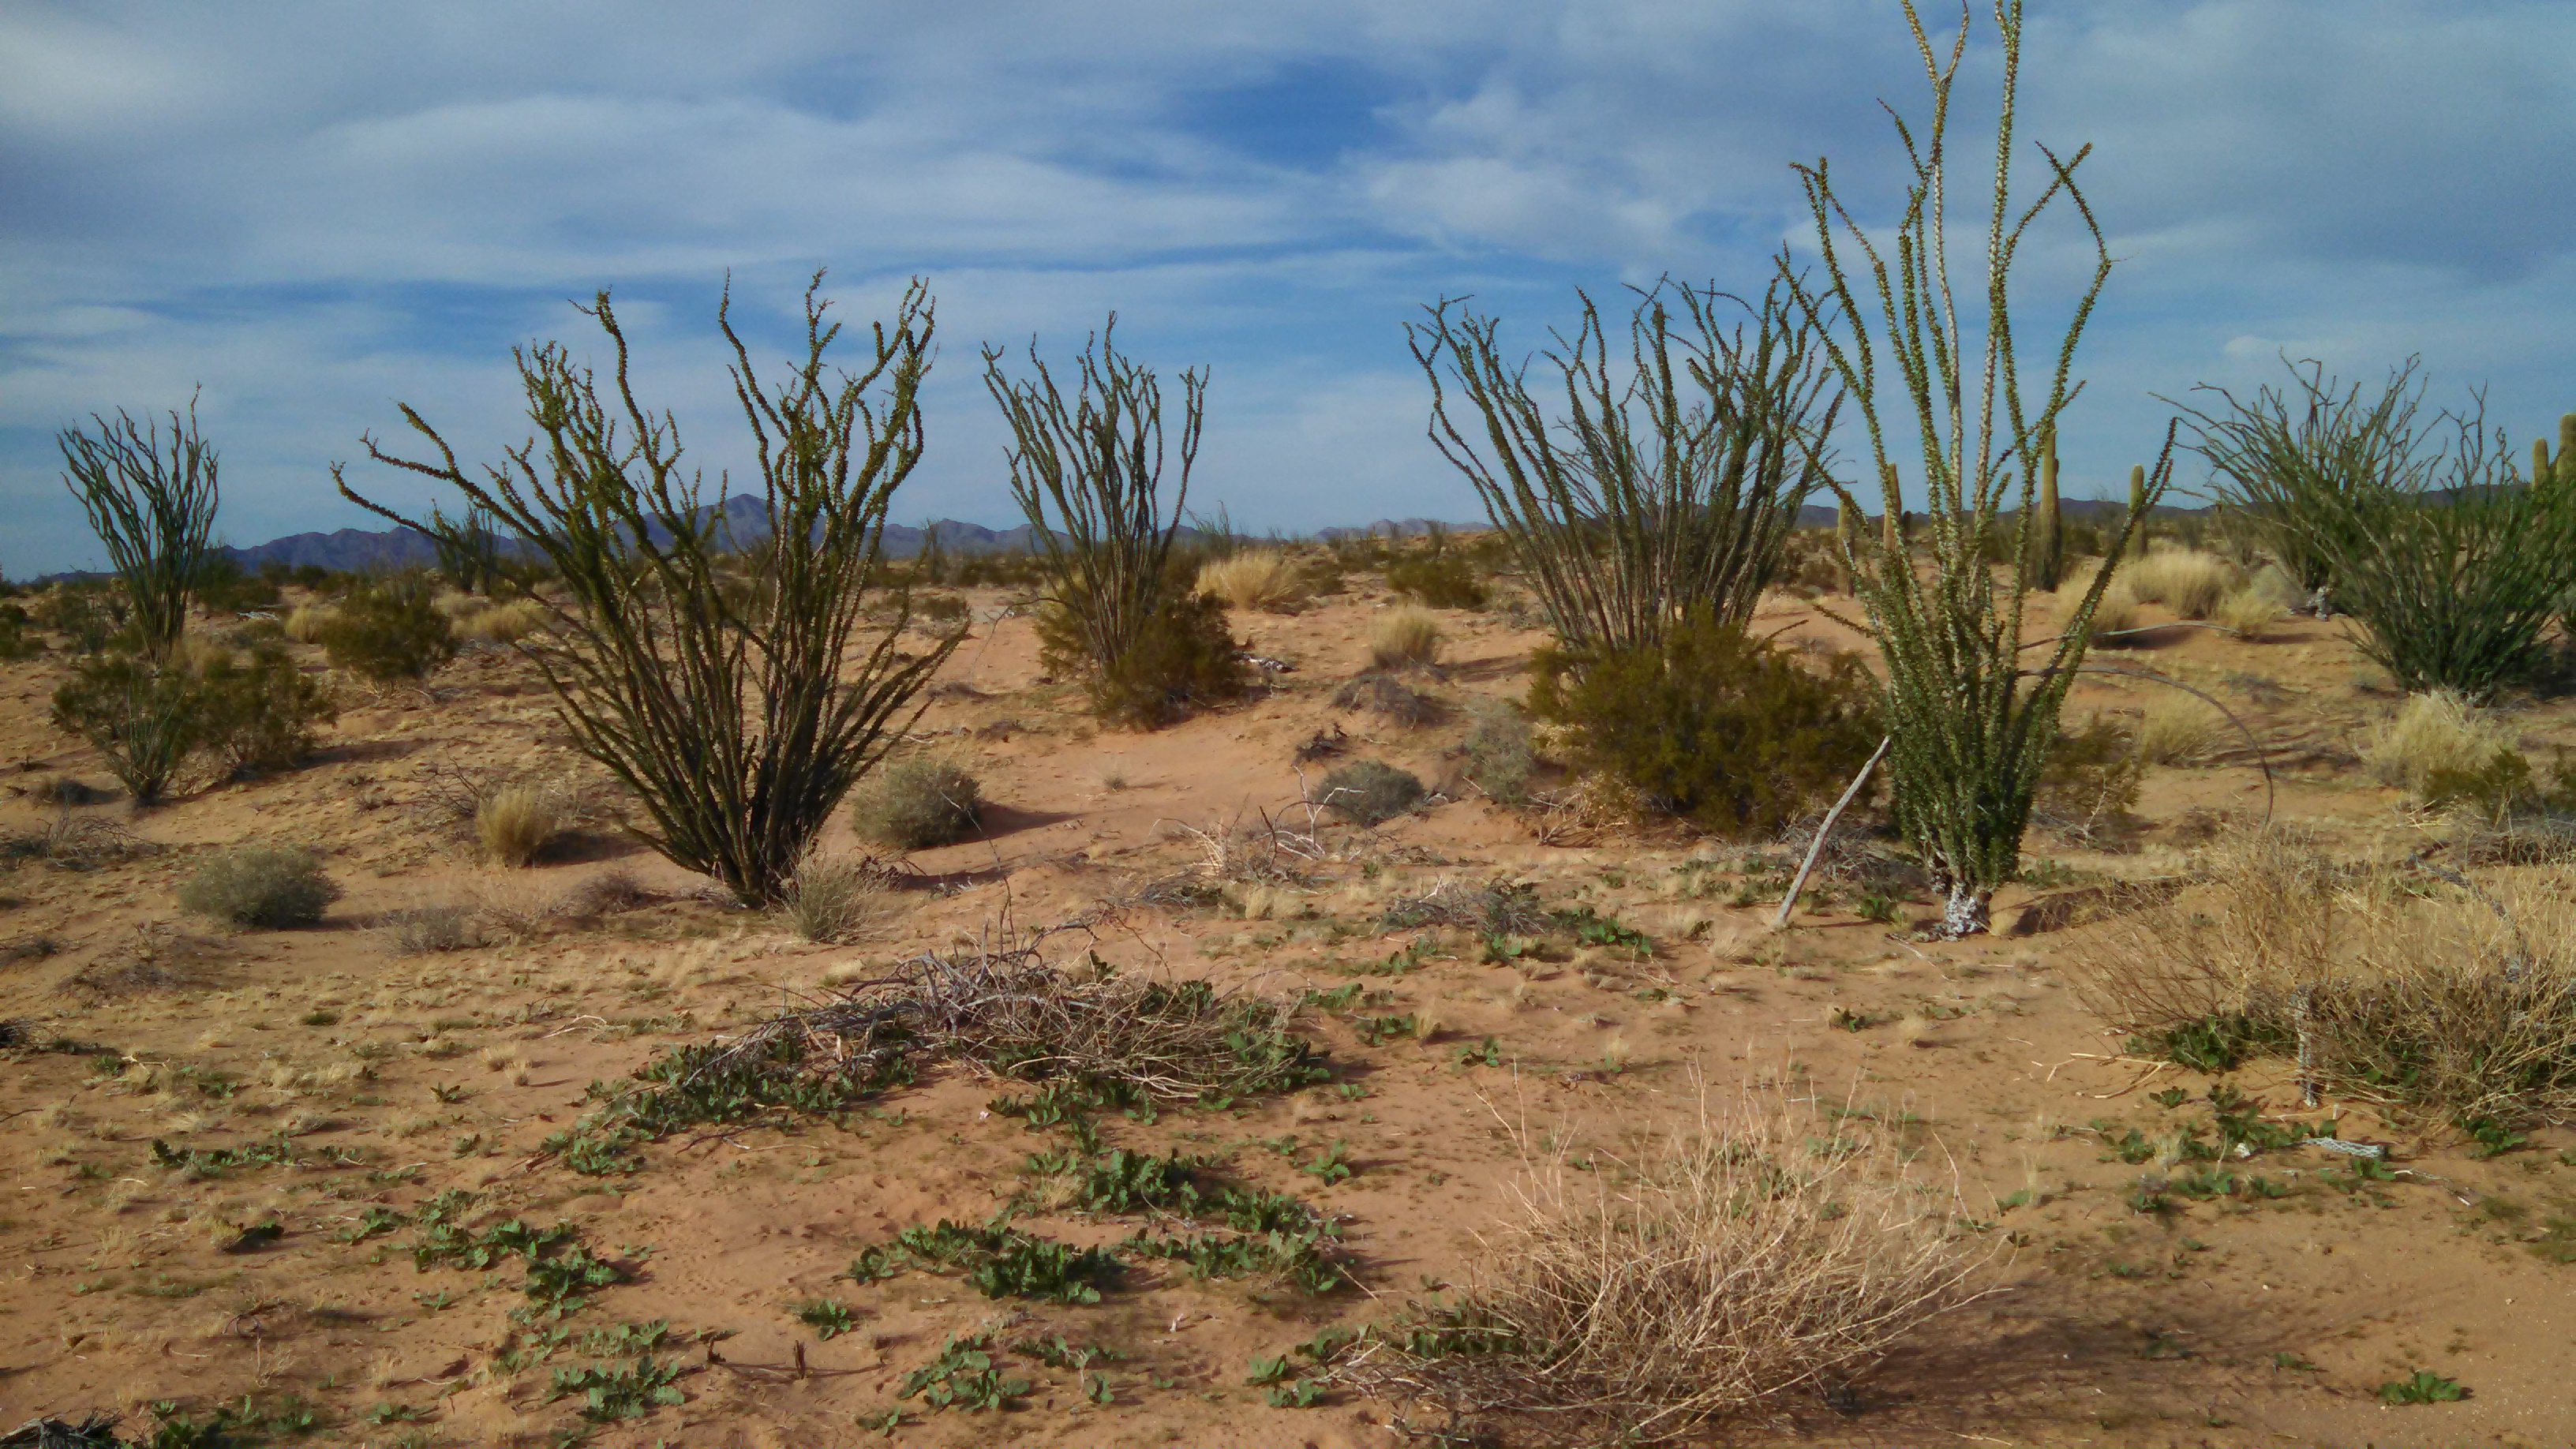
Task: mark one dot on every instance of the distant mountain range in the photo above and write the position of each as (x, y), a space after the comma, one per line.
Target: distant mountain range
(358, 549)
(355, 549)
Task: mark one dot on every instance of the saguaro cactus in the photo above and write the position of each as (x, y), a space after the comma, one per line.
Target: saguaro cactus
(2563, 470)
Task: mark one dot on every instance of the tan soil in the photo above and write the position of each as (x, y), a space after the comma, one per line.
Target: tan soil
(2103, 1326)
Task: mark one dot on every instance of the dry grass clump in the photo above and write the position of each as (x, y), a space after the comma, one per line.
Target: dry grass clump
(257, 885)
(1404, 637)
(432, 929)
(503, 623)
(517, 822)
(2432, 733)
(1635, 1301)
(1381, 693)
(73, 842)
(916, 803)
(307, 623)
(2175, 730)
(1257, 578)
(2115, 614)
(833, 897)
(2248, 613)
(2459, 1004)
(2185, 580)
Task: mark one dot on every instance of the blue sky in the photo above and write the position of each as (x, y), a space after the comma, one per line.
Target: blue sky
(313, 210)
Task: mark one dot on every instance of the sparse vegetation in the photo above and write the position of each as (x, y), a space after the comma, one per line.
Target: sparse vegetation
(2454, 1005)
(516, 822)
(916, 803)
(389, 631)
(1370, 792)
(143, 716)
(263, 886)
(2432, 734)
(1713, 726)
(1404, 638)
(1500, 756)
(1634, 1301)
(739, 720)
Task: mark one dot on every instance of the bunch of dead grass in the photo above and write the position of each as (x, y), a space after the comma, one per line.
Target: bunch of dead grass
(2457, 1004)
(2185, 580)
(1756, 1250)
(1001, 1007)
(1257, 578)
(1404, 637)
(74, 842)
(834, 897)
(515, 823)
(2431, 733)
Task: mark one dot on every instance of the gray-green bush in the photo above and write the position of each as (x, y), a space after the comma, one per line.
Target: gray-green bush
(916, 804)
(259, 885)
(1370, 792)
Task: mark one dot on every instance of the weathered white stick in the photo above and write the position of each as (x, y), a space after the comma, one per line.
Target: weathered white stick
(1825, 830)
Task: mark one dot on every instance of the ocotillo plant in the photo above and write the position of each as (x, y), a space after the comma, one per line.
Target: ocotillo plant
(739, 717)
(2288, 456)
(2051, 568)
(1088, 474)
(153, 511)
(1971, 718)
(1666, 495)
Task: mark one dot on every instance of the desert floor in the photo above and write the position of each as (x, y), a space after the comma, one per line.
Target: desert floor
(129, 1280)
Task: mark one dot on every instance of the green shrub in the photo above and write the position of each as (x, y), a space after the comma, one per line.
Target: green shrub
(1499, 756)
(916, 804)
(91, 616)
(1438, 578)
(388, 631)
(1371, 792)
(258, 885)
(261, 712)
(17, 638)
(144, 718)
(224, 587)
(1185, 657)
(1715, 727)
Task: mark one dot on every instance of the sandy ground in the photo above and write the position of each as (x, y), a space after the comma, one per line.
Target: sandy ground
(2228, 1322)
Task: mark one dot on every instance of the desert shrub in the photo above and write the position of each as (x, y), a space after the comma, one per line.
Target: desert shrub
(2443, 1003)
(1715, 727)
(504, 623)
(2248, 612)
(1500, 758)
(1747, 1255)
(739, 721)
(1259, 578)
(144, 717)
(2184, 580)
(2175, 730)
(1439, 578)
(1185, 658)
(1404, 638)
(833, 897)
(1370, 792)
(1382, 693)
(1088, 474)
(916, 803)
(225, 587)
(257, 885)
(2430, 734)
(90, 617)
(388, 630)
(260, 711)
(17, 635)
(516, 822)
(154, 511)
(1668, 484)
(432, 929)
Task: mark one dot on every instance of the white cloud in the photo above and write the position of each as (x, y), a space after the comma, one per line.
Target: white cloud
(316, 209)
